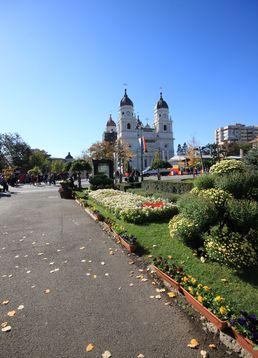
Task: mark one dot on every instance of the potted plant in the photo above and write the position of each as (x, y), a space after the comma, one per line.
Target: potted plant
(127, 240)
(66, 190)
(245, 330)
(204, 300)
(168, 271)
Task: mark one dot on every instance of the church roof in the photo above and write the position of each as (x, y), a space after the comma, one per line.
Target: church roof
(110, 122)
(68, 157)
(161, 103)
(125, 101)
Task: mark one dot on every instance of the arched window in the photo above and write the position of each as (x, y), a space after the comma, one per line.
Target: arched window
(128, 126)
(165, 127)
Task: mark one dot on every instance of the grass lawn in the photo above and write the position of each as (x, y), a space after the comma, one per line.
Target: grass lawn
(239, 290)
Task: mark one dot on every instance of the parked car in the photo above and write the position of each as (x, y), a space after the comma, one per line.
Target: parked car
(148, 171)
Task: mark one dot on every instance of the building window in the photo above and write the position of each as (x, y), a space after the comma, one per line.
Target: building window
(128, 126)
(165, 146)
(165, 127)
(123, 112)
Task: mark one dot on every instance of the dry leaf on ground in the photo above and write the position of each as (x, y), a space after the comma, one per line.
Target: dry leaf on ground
(193, 344)
(171, 294)
(11, 313)
(90, 347)
(4, 324)
(140, 356)
(47, 290)
(204, 354)
(21, 307)
(6, 329)
(5, 302)
(212, 346)
(106, 354)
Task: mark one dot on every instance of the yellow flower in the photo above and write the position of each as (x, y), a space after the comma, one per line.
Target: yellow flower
(223, 310)
(218, 299)
(199, 285)
(200, 298)
(185, 279)
(190, 289)
(193, 280)
(206, 288)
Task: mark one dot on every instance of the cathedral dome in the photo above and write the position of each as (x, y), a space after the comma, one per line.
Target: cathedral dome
(125, 101)
(110, 122)
(161, 103)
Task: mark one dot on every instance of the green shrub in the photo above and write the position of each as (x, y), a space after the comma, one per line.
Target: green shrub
(184, 229)
(241, 185)
(230, 248)
(167, 186)
(100, 181)
(142, 215)
(241, 215)
(200, 210)
(227, 166)
(205, 181)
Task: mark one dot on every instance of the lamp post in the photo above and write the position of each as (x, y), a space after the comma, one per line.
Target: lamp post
(139, 127)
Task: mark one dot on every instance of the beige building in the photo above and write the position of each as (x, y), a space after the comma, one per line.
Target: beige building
(235, 133)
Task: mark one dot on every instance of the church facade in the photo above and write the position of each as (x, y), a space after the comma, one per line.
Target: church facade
(144, 141)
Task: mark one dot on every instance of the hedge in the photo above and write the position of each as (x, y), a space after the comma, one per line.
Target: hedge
(170, 186)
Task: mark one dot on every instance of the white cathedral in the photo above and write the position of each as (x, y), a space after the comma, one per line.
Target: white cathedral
(129, 129)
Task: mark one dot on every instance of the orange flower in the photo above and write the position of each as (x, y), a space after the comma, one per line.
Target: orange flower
(206, 288)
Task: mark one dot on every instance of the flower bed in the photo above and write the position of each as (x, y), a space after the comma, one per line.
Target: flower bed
(133, 208)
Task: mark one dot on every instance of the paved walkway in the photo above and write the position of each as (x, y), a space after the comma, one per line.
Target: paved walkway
(68, 291)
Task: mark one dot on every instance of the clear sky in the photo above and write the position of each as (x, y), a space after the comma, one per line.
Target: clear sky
(63, 65)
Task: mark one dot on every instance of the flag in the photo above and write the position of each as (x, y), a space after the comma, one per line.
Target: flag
(143, 144)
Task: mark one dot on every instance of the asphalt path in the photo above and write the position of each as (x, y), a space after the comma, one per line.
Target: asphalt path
(68, 290)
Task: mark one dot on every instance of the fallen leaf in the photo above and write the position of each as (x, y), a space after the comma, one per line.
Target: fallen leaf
(170, 257)
(131, 284)
(82, 248)
(106, 274)
(167, 303)
(212, 346)
(6, 329)
(152, 296)
(21, 307)
(158, 297)
(40, 253)
(204, 354)
(160, 290)
(223, 280)
(193, 344)
(154, 245)
(150, 256)
(140, 270)
(5, 302)
(47, 290)
(102, 263)
(28, 271)
(140, 356)
(139, 276)
(111, 253)
(90, 347)
(94, 276)
(51, 263)
(10, 275)
(144, 279)
(4, 324)
(130, 262)
(11, 313)
(106, 354)
(171, 294)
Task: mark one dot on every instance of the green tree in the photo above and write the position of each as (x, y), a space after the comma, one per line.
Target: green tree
(39, 158)
(251, 158)
(14, 152)
(78, 166)
(57, 166)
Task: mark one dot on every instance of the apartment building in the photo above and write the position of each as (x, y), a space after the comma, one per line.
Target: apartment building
(235, 133)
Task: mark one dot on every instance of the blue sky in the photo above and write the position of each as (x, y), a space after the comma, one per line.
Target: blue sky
(63, 65)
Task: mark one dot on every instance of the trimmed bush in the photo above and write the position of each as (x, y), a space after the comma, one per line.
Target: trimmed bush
(100, 181)
(241, 185)
(184, 229)
(200, 210)
(205, 181)
(230, 248)
(169, 186)
(227, 166)
(241, 215)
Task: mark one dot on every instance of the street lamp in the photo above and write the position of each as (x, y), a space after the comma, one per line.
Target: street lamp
(139, 127)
